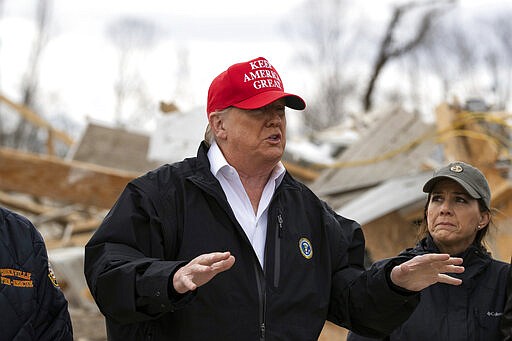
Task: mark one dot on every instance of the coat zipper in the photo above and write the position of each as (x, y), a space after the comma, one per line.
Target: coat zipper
(260, 282)
(277, 255)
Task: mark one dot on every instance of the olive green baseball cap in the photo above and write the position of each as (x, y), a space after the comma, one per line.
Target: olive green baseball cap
(469, 177)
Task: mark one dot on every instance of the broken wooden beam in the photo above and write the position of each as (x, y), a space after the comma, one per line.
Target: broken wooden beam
(63, 180)
(16, 203)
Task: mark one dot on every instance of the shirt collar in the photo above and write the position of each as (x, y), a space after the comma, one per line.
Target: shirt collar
(218, 162)
(217, 159)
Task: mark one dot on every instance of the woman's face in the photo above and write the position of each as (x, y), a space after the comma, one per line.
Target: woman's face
(453, 217)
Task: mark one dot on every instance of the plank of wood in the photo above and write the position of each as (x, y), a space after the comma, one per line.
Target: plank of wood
(17, 203)
(62, 180)
(86, 225)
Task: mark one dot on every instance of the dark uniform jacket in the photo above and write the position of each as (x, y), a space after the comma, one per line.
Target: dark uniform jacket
(469, 312)
(32, 306)
(313, 267)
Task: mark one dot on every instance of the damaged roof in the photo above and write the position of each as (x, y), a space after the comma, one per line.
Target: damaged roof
(398, 144)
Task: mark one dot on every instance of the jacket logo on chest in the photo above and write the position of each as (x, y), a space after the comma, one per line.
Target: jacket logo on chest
(16, 278)
(306, 248)
(494, 314)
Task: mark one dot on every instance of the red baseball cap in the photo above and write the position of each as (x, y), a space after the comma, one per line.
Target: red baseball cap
(249, 85)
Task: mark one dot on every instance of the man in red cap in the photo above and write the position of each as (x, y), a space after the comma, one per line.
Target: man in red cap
(229, 246)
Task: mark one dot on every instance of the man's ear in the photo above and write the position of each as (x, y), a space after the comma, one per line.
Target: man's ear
(217, 125)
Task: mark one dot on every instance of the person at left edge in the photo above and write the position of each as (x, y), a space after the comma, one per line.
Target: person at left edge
(155, 266)
(32, 305)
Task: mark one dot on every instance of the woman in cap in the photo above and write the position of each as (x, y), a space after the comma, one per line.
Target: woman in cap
(457, 217)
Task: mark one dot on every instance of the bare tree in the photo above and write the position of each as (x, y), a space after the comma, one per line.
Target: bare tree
(439, 42)
(2, 133)
(1, 16)
(131, 37)
(446, 54)
(326, 47)
(391, 48)
(467, 53)
(332, 49)
(500, 59)
(182, 92)
(27, 135)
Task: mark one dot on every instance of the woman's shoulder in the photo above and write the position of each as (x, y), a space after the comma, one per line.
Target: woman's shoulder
(499, 264)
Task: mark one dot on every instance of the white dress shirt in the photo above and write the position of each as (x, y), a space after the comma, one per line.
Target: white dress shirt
(254, 225)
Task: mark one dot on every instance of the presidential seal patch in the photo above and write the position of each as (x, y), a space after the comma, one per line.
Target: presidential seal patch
(306, 248)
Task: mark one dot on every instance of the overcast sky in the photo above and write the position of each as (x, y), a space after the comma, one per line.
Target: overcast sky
(79, 64)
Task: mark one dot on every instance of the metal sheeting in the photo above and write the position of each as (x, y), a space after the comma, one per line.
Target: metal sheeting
(391, 195)
(391, 132)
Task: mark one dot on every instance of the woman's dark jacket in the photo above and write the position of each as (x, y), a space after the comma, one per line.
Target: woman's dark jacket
(32, 306)
(469, 312)
(313, 267)
(506, 321)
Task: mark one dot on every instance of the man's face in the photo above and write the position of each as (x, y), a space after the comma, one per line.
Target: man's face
(256, 135)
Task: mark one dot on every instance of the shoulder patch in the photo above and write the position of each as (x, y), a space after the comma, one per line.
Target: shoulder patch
(51, 276)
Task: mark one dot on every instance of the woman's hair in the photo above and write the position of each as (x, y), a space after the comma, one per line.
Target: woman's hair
(480, 235)
(209, 136)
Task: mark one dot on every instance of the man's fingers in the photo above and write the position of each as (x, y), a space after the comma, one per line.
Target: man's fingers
(182, 281)
(454, 269)
(189, 284)
(443, 278)
(212, 258)
(201, 270)
(433, 260)
(435, 257)
(451, 265)
(223, 265)
(404, 267)
(439, 258)
(212, 262)
(453, 261)
(421, 271)
(456, 260)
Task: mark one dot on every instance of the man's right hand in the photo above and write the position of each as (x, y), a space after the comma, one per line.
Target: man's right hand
(201, 270)
(422, 271)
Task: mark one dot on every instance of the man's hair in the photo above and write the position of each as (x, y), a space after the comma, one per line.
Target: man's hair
(209, 136)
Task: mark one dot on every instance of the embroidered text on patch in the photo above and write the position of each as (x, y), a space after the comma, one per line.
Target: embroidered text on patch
(16, 278)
